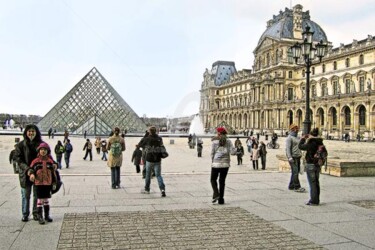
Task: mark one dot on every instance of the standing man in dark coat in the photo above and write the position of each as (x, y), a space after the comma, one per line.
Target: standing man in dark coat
(26, 152)
(310, 143)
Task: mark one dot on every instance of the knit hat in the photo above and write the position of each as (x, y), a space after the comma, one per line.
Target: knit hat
(221, 130)
(292, 126)
(43, 145)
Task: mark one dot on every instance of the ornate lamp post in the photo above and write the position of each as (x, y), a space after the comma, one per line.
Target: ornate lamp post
(306, 52)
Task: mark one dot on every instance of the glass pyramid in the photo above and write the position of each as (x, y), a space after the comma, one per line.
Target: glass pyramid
(92, 105)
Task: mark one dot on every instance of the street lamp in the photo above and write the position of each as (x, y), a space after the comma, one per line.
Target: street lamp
(307, 52)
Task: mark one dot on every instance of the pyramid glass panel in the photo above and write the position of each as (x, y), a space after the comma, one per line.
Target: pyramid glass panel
(92, 105)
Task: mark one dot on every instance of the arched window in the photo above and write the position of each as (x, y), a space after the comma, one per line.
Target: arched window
(313, 90)
(347, 62)
(268, 59)
(361, 84)
(347, 86)
(324, 89)
(362, 116)
(347, 116)
(334, 117)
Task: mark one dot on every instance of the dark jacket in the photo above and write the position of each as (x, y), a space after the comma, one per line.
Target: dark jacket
(26, 152)
(136, 157)
(151, 144)
(310, 145)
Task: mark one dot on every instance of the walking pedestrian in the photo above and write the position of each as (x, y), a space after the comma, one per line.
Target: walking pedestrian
(116, 145)
(221, 150)
(68, 151)
(59, 151)
(293, 153)
(136, 158)
(151, 144)
(104, 150)
(88, 148)
(199, 147)
(240, 152)
(98, 144)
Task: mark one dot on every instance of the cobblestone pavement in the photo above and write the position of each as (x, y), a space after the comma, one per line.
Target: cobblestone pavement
(227, 228)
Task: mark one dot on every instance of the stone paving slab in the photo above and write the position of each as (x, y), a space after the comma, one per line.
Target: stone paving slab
(226, 228)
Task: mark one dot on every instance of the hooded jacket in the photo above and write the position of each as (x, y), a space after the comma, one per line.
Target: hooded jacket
(26, 152)
(220, 155)
(310, 145)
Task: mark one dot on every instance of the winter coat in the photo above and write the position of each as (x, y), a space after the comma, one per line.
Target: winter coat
(220, 155)
(59, 149)
(115, 161)
(310, 145)
(151, 145)
(26, 152)
(255, 154)
(262, 149)
(42, 168)
(12, 156)
(137, 156)
(291, 146)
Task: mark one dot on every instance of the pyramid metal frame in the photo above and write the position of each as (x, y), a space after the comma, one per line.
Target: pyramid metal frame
(92, 105)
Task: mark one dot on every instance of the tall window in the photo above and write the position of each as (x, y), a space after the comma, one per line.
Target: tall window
(323, 68)
(324, 89)
(268, 59)
(277, 56)
(347, 116)
(334, 117)
(313, 70)
(362, 116)
(361, 84)
(290, 94)
(347, 62)
(335, 87)
(334, 65)
(361, 60)
(290, 74)
(313, 90)
(303, 73)
(347, 86)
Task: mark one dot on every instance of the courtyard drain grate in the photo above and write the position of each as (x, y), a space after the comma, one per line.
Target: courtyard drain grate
(223, 228)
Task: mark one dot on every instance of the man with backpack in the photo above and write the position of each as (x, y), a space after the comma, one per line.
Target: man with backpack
(311, 143)
(68, 151)
(115, 147)
(152, 145)
(88, 148)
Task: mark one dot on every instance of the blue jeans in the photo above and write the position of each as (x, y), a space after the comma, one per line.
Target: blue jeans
(313, 173)
(104, 156)
(157, 168)
(25, 194)
(58, 159)
(115, 176)
(294, 179)
(67, 158)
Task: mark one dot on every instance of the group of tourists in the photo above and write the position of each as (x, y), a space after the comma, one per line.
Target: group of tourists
(37, 169)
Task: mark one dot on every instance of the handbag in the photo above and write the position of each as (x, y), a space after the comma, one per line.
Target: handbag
(163, 152)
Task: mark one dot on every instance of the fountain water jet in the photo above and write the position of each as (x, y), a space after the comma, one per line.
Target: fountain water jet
(196, 126)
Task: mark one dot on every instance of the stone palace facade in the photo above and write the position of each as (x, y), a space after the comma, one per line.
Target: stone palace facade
(271, 96)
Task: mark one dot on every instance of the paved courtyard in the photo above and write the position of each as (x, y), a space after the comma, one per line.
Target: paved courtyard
(260, 213)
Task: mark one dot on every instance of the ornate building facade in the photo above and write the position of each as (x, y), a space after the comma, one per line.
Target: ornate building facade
(271, 96)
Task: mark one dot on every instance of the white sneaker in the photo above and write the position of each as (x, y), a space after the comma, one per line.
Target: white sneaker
(144, 191)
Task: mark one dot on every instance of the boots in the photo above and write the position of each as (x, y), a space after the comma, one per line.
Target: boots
(40, 216)
(46, 214)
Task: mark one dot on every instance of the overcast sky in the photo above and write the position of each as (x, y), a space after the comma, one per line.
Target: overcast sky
(153, 52)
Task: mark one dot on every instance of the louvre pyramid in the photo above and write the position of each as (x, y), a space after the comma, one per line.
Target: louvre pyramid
(92, 105)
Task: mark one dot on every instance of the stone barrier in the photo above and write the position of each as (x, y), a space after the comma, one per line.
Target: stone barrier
(338, 168)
